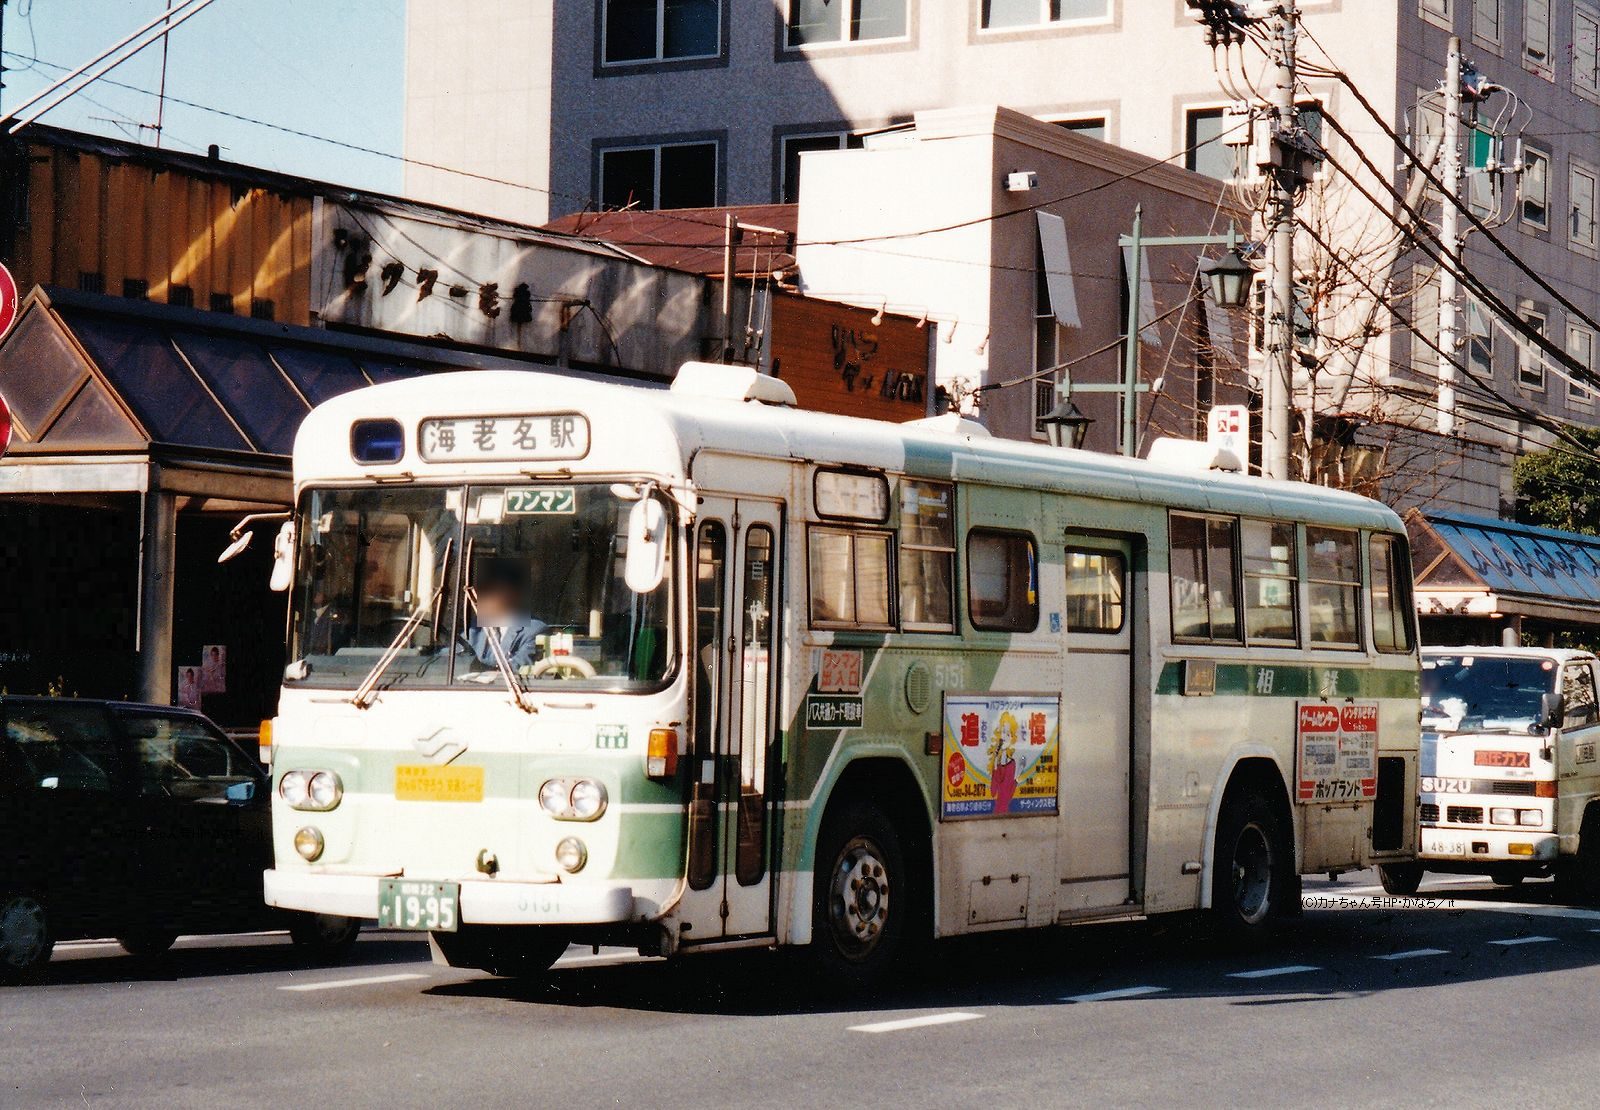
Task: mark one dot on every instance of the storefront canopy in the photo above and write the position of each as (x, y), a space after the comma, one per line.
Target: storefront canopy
(1471, 566)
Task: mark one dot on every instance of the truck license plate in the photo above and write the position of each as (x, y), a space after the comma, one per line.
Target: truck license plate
(1444, 846)
(410, 904)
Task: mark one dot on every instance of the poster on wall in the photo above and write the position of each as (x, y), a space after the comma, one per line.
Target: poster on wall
(189, 687)
(1336, 752)
(1000, 755)
(214, 669)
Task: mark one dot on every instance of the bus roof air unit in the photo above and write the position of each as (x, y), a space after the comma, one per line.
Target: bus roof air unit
(732, 383)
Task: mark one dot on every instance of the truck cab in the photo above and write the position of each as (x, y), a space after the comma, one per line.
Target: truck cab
(1508, 766)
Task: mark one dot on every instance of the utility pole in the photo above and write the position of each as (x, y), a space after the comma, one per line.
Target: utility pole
(1450, 236)
(1277, 383)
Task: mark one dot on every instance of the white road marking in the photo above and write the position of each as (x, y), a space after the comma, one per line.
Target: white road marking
(914, 1023)
(1121, 992)
(1270, 972)
(366, 981)
(1509, 941)
(1433, 884)
(1414, 953)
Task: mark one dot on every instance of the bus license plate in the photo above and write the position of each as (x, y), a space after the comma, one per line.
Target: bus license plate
(408, 904)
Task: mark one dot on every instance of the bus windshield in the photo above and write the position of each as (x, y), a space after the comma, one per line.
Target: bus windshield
(1462, 692)
(473, 586)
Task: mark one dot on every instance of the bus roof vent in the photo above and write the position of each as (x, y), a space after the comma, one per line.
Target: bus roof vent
(1189, 454)
(732, 383)
(951, 423)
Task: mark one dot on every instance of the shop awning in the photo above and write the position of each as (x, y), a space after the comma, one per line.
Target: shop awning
(1479, 566)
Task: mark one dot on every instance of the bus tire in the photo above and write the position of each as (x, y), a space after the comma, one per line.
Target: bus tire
(147, 942)
(506, 951)
(322, 937)
(1253, 869)
(1400, 878)
(1578, 880)
(25, 937)
(863, 904)
(1506, 878)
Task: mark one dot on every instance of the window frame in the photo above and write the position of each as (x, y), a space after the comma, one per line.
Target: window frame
(607, 66)
(134, 757)
(1293, 578)
(846, 138)
(854, 472)
(983, 531)
(1402, 599)
(603, 147)
(1530, 155)
(1588, 720)
(1531, 372)
(891, 579)
(1577, 392)
(953, 551)
(1358, 642)
(1588, 89)
(1191, 147)
(1591, 244)
(1480, 33)
(1539, 63)
(1045, 23)
(1208, 519)
(1440, 13)
(847, 17)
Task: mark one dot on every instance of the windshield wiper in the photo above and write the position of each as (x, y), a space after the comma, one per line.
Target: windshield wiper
(502, 662)
(366, 693)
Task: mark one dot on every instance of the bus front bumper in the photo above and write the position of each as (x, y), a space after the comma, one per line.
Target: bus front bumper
(482, 902)
(1466, 845)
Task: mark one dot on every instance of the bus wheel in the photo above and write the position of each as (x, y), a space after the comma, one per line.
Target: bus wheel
(862, 903)
(1253, 870)
(1578, 880)
(1400, 878)
(25, 940)
(324, 937)
(147, 942)
(509, 951)
(1506, 878)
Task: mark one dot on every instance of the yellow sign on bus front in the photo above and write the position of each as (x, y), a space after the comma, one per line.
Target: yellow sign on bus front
(438, 784)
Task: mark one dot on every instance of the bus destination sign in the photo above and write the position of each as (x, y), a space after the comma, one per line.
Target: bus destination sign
(527, 437)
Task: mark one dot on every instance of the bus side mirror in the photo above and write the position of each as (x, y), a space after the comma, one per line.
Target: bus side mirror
(1552, 708)
(282, 558)
(646, 563)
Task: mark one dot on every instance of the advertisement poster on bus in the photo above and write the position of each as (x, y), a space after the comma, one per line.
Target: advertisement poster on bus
(1001, 755)
(1336, 752)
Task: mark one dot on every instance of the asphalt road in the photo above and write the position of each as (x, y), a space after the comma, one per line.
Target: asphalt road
(1484, 996)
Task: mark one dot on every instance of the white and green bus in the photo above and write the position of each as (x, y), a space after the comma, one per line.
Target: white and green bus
(691, 669)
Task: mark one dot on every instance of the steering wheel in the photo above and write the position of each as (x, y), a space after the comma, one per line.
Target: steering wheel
(574, 666)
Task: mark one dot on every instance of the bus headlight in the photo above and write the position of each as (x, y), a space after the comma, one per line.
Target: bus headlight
(1502, 816)
(573, 799)
(316, 791)
(1530, 816)
(571, 854)
(309, 843)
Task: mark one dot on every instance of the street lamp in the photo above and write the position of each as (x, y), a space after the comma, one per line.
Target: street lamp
(1230, 278)
(1065, 424)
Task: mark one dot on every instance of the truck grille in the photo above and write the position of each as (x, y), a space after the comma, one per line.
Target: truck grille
(1428, 813)
(1464, 815)
(1525, 789)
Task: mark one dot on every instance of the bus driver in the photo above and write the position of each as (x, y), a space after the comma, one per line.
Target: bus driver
(500, 594)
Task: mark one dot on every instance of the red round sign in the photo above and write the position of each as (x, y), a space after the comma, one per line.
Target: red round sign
(8, 300)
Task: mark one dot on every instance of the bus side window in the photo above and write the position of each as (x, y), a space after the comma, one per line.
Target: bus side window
(849, 578)
(927, 556)
(711, 558)
(1094, 590)
(1333, 576)
(1002, 581)
(1269, 581)
(1201, 571)
(1391, 595)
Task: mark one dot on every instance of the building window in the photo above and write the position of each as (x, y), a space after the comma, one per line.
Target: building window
(850, 579)
(791, 147)
(1535, 188)
(1201, 571)
(1486, 21)
(1002, 581)
(1095, 583)
(180, 296)
(927, 556)
(1441, 13)
(1530, 358)
(1333, 582)
(1204, 150)
(661, 30)
(1480, 339)
(1483, 181)
(1581, 226)
(1269, 581)
(1536, 36)
(999, 14)
(1090, 127)
(262, 309)
(1391, 594)
(1586, 51)
(222, 302)
(1580, 345)
(818, 22)
(136, 289)
(671, 175)
(1425, 324)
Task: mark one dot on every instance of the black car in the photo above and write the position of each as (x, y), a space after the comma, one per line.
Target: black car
(132, 821)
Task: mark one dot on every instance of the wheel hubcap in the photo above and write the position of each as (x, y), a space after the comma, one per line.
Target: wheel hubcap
(22, 932)
(859, 897)
(1252, 874)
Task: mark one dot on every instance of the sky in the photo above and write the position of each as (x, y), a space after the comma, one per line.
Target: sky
(329, 68)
